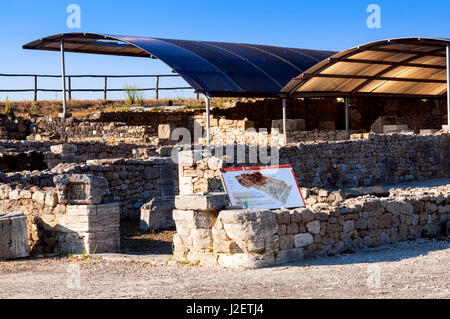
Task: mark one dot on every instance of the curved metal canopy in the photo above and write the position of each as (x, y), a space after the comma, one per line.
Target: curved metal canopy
(407, 67)
(213, 68)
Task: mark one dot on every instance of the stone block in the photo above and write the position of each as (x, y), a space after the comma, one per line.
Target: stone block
(64, 149)
(157, 214)
(283, 217)
(80, 189)
(397, 207)
(313, 227)
(201, 239)
(165, 131)
(286, 242)
(292, 125)
(252, 230)
(394, 128)
(427, 132)
(90, 228)
(39, 197)
(199, 202)
(13, 236)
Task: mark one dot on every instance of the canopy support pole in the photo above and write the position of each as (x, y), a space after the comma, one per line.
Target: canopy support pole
(448, 86)
(208, 119)
(284, 120)
(347, 101)
(63, 69)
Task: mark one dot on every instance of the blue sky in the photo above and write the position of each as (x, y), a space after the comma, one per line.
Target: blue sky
(330, 25)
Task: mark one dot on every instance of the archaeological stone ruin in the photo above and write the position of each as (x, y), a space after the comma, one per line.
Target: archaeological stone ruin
(69, 186)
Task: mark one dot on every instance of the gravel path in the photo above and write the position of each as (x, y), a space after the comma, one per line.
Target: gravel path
(414, 269)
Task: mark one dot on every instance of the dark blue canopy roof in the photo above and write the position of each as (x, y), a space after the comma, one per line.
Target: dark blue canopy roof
(213, 68)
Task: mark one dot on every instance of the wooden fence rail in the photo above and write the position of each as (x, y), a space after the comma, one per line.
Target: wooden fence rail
(105, 89)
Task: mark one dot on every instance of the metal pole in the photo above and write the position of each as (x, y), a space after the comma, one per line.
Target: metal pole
(105, 93)
(346, 114)
(157, 88)
(208, 123)
(69, 79)
(63, 67)
(448, 84)
(284, 117)
(35, 88)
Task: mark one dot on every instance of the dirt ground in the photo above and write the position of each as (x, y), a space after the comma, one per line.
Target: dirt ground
(135, 240)
(413, 269)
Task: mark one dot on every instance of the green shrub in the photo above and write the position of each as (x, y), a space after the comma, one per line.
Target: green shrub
(34, 109)
(133, 95)
(8, 108)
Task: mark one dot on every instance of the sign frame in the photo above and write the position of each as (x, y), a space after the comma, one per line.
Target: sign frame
(255, 169)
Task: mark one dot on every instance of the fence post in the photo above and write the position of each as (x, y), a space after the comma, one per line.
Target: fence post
(69, 79)
(105, 96)
(157, 88)
(35, 88)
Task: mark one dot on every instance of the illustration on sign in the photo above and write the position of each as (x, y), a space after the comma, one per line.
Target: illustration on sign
(262, 187)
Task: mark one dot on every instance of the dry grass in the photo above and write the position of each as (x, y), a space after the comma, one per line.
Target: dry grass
(83, 108)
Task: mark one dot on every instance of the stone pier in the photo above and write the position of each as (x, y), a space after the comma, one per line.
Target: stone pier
(13, 236)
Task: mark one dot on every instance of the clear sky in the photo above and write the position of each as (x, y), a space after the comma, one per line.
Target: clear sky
(326, 24)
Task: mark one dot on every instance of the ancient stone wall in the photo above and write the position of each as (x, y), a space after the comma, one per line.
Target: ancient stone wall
(72, 129)
(262, 112)
(131, 182)
(28, 155)
(178, 118)
(378, 159)
(414, 122)
(13, 128)
(208, 235)
(318, 136)
(363, 112)
(55, 225)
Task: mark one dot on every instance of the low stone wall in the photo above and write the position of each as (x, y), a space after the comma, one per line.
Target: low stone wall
(317, 136)
(69, 129)
(209, 235)
(414, 122)
(226, 131)
(377, 159)
(54, 227)
(178, 118)
(132, 182)
(13, 128)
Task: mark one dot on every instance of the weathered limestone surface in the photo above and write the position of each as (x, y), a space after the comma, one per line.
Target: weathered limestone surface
(131, 182)
(394, 128)
(291, 125)
(258, 238)
(157, 214)
(80, 189)
(88, 228)
(200, 202)
(13, 236)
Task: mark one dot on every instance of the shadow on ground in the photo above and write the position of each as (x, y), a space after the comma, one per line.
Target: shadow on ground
(390, 253)
(137, 242)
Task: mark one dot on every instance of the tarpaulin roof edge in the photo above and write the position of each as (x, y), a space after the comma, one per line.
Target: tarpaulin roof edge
(214, 68)
(402, 67)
